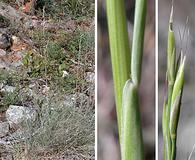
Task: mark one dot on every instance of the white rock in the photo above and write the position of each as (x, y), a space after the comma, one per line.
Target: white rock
(2, 52)
(46, 89)
(1, 85)
(32, 85)
(8, 89)
(90, 77)
(65, 74)
(69, 101)
(4, 128)
(76, 99)
(16, 115)
(81, 97)
(18, 62)
(15, 39)
(3, 65)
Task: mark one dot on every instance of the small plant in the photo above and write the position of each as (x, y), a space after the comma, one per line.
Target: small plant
(9, 99)
(69, 8)
(4, 22)
(81, 42)
(172, 104)
(58, 129)
(55, 52)
(78, 8)
(8, 78)
(127, 75)
(40, 37)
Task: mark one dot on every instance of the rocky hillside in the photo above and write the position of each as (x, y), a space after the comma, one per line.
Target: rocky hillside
(47, 80)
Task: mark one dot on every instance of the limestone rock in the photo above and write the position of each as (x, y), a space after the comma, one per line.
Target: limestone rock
(4, 128)
(16, 115)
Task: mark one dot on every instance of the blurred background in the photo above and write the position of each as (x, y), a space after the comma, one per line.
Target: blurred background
(186, 128)
(108, 146)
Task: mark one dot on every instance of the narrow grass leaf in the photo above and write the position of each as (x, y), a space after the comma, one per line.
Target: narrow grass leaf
(171, 50)
(131, 137)
(179, 81)
(138, 40)
(120, 50)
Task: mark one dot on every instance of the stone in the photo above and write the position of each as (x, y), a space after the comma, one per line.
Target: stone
(5, 41)
(1, 85)
(69, 100)
(46, 90)
(16, 115)
(76, 100)
(4, 129)
(3, 65)
(2, 52)
(18, 59)
(2, 149)
(65, 74)
(9, 89)
(90, 77)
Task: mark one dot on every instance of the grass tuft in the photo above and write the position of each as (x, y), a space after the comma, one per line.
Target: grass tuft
(59, 128)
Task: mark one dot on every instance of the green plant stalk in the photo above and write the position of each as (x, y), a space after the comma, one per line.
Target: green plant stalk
(168, 146)
(170, 79)
(120, 50)
(164, 128)
(127, 70)
(166, 119)
(131, 137)
(138, 40)
(175, 107)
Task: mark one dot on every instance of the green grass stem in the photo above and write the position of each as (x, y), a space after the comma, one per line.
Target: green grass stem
(131, 138)
(127, 69)
(120, 50)
(138, 40)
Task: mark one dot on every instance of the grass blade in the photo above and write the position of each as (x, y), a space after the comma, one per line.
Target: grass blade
(138, 40)
(127, 70)
(131, 138)
(120, 50)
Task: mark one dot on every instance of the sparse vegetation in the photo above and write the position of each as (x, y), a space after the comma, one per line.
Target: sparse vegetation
(59, 129)
(8, 99)
(53, 68)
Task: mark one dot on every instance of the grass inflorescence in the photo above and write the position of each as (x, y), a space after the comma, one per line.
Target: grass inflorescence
(172, 103)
